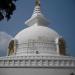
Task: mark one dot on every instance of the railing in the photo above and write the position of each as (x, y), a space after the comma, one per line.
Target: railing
(37, 61)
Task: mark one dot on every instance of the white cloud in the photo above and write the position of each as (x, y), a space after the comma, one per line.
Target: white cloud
(4, 41)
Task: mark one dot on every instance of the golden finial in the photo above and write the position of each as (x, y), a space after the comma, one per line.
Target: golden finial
(37, 2)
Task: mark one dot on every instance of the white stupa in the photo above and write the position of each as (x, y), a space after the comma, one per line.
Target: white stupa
(37, 50)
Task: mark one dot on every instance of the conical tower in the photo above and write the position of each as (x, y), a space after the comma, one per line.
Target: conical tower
(37, 17)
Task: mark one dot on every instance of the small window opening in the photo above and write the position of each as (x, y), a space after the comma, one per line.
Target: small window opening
(37, 52)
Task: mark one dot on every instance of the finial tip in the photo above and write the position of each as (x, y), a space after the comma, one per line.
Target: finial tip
(37, 2)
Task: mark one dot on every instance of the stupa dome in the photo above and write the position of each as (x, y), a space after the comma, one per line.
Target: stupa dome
(36, 33)
(38, 38)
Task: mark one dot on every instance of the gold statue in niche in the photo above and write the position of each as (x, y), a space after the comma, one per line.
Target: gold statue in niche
(62, 46)
(11, 47)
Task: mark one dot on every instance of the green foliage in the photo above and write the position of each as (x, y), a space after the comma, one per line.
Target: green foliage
(6, 8)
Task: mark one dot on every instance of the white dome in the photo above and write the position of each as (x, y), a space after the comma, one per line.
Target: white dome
(36, 40)
(35, 32)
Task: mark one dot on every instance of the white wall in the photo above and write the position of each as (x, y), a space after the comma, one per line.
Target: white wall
(36, 71)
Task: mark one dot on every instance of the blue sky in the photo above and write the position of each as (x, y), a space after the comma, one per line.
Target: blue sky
(61, 14)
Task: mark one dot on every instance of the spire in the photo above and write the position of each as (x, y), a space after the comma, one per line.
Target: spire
(37, 17)
(37, 9)
(37, 3)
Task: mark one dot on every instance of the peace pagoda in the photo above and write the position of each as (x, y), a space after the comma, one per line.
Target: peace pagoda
(37, 50)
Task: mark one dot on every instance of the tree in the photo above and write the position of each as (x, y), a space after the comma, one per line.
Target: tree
(6, 8)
